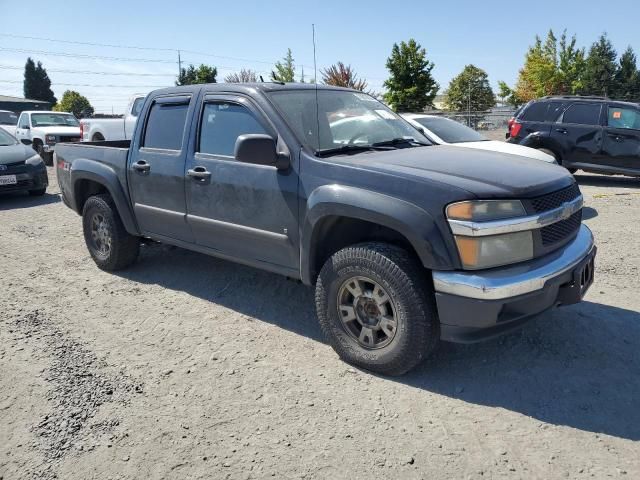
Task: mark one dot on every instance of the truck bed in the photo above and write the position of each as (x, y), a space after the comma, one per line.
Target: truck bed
(112, 155)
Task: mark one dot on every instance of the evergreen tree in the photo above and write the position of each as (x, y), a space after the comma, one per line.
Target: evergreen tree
(627, 78)
(600, 69)
(570, 67)
(284, 71)
(470, 91)
(537, 77)
(37, 85)
(410, 86)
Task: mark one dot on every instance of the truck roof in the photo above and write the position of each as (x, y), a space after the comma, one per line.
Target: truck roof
(45, 111)
(248, 87)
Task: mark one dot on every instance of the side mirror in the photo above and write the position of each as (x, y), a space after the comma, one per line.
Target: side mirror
(260, 149)
(26, 141)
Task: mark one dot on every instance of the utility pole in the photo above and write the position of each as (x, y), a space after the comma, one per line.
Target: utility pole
(179, 65)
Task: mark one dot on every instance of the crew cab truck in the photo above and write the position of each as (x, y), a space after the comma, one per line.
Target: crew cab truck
(101, 129)
(406, 243)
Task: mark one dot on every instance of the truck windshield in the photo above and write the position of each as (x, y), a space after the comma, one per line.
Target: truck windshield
(53, 120)
(8, 118)
(345, 121)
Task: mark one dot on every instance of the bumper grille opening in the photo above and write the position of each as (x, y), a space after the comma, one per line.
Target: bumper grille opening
(555, 199)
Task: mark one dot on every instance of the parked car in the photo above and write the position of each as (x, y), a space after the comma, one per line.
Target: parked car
(449, 132)
(406, 243)
(594, 134)
(46, 129)
(21, 169)
(8, 121)
(101, 129)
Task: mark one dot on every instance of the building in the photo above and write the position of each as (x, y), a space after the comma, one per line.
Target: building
(18, 105)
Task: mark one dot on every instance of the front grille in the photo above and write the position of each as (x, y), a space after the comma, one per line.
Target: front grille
(559, 231)
(69, 139)
(555, 199)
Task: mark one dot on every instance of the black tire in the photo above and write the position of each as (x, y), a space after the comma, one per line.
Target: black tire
(47, 157)
(558, 159)
(37, 193)
(122, 250)
(402, 278)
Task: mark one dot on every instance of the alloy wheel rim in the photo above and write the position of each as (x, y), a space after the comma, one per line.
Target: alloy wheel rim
(100, 234)
(367, 312)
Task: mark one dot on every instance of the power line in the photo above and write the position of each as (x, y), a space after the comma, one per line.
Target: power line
(89, 72)
(91, 85)
(74, 42)
(79, 55)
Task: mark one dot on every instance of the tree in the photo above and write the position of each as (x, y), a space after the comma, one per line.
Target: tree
(627, 78)
(37, 85)
(470, 91)
(507, 95)
(600, 68)
(243, 76)
(75, 103)
(193, 76)
(570, 67)
(341, 75)
(285, 71)
(410, 87)
(537, 77)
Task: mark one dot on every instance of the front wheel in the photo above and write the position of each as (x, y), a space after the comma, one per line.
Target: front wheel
(110, 245)
(376, 308)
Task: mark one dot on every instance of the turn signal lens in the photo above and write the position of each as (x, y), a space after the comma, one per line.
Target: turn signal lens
(494, 251)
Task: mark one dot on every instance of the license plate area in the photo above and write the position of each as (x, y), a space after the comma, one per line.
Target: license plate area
(8, 180)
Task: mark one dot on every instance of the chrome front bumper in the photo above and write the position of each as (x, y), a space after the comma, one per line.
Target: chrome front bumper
(508, 282)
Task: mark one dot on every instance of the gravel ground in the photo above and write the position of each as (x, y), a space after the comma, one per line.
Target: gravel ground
(186, 366)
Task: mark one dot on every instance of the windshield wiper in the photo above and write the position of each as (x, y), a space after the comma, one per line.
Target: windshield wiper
(399, 141)
(327, 152)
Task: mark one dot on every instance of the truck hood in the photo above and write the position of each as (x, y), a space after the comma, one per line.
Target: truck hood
(485, 174)
(55, 130)
(15, 153)
(9, 128)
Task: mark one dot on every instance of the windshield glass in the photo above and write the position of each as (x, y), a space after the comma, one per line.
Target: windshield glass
(449, 130)
(8, 118)
(345, 119)
(53, 119)
(6, 139)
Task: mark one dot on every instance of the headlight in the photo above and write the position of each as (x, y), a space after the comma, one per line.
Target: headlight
(50, 138)
(484, 210)
(477, 252)
(494, 251)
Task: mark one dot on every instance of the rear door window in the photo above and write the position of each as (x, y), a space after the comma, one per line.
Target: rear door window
(553, 111)
(583, 114)
(536, 112)
(165, 124)
(623, 117)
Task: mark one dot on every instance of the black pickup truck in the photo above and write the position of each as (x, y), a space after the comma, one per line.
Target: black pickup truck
(406, 243)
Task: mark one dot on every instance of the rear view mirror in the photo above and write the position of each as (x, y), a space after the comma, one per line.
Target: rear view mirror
(260, 149)
(26, 141)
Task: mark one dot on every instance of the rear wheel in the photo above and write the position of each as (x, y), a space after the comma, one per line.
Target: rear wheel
(110, 245)
(549, 152)
(376, 308)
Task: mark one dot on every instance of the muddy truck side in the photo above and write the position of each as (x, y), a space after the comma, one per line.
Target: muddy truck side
(406, 244)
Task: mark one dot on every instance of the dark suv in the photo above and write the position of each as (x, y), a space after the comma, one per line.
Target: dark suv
(589, 133)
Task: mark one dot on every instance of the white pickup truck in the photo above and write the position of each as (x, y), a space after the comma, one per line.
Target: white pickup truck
(101, 129)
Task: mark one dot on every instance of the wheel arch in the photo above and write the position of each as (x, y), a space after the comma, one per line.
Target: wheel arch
(91, 178)
(338, 216)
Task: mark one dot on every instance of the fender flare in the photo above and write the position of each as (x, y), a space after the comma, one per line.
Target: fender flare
(409, 220)
(539, 140)
(83, 169)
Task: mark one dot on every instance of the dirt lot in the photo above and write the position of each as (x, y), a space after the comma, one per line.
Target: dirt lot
(186, 366)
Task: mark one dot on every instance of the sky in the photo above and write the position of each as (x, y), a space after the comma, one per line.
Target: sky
(493, 35)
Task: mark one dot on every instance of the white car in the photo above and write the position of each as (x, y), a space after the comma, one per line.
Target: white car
(101, 129)
(45, 129)
(444, 131)
(8, 121)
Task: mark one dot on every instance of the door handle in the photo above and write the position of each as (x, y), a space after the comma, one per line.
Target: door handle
(141, 166)
(561, 130)
(199, 173)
